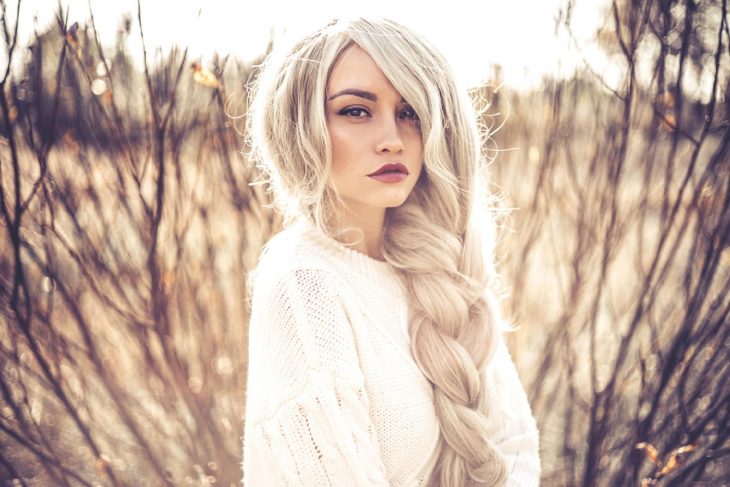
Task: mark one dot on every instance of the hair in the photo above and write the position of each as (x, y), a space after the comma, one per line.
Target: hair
(440, 240)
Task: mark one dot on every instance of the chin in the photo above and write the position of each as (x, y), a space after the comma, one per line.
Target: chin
(396, 202)
(391, 199)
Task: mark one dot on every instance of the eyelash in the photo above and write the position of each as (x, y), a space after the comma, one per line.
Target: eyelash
(348, 112)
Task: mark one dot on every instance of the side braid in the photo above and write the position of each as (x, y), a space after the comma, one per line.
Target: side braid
(452, 325)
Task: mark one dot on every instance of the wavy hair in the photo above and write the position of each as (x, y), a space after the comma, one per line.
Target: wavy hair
(440, 240)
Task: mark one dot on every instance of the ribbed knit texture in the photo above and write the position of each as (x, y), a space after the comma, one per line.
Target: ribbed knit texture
(334, 397)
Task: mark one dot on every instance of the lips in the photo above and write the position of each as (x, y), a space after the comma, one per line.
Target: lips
(391, 168)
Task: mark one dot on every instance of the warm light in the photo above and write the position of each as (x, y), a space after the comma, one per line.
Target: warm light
(519, 36)
(98, 87)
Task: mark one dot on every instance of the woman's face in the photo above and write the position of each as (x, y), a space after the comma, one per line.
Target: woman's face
(370, 125)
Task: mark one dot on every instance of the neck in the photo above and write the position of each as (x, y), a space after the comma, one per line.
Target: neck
(347, 221)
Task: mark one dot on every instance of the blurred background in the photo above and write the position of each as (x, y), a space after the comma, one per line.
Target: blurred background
(128, 223)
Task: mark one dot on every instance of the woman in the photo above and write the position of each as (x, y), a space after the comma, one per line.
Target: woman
(375, 348)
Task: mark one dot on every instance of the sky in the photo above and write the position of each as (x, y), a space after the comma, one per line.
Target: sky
(519, 35)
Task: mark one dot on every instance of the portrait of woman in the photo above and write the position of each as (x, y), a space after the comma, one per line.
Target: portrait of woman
(309, 247)
(376, 348)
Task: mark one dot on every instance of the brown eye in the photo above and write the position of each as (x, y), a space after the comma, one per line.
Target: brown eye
(408, 113)
(357, 112)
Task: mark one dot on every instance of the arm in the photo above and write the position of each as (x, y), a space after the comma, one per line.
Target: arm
(321, 437)
(513, 427)
(308, 423)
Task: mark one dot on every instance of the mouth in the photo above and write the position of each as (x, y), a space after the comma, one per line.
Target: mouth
(396, 168)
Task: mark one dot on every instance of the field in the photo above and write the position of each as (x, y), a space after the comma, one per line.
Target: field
(130, 215)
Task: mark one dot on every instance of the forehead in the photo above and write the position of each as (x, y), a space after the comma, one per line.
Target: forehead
(355, 68)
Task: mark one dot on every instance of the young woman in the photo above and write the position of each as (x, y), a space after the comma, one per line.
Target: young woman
(376, 355)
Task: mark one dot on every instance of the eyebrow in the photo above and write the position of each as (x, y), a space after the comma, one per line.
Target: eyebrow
(354, 91)
(357, 92)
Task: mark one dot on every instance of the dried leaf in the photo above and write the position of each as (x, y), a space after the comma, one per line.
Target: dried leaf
(651, 452)
(203, 76)
(72, 36)
(101, 463)
(676, 458)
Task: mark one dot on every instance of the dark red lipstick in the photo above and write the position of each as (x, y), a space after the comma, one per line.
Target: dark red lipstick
(396, 168)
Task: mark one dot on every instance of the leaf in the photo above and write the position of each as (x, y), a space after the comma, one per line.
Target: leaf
(72, 36)
(676, 458)
(651, 452)
(203, 76)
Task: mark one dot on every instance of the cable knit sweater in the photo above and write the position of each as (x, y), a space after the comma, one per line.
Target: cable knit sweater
(334, 397)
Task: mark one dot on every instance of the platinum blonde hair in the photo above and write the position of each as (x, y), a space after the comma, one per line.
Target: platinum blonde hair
(440, 240)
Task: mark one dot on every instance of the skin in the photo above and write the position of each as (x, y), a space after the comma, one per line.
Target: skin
(368, 128)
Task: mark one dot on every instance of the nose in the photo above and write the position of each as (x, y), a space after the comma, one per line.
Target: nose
(390, 139)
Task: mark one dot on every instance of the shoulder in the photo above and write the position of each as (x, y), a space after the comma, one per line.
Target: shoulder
(300, 307)
(290, 263)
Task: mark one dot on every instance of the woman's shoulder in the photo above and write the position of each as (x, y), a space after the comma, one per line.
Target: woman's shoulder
(289, 254)
(294, 247)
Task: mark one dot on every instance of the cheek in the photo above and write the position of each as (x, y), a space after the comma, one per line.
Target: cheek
(339, 152)
(338, 141)
(341, 142)
(411, 134)
(415, 141)
(347, 146)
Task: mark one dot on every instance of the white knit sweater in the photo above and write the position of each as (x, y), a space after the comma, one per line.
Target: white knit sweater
(334, 397)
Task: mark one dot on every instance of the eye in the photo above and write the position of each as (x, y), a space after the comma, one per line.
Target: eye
(356, 112)
(408, 113)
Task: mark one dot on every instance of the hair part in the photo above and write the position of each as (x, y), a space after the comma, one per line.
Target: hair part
(437, 240)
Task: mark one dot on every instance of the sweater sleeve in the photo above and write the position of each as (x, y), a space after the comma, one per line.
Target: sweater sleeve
(302, 350)
(321, 437)
(514, 430)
